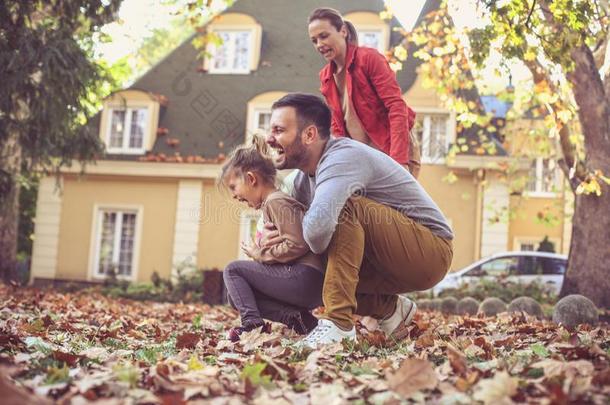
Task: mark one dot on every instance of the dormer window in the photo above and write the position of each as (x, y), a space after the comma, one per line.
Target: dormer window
(129, 121)
(236, 48)
(233, 56)
(127, 130)
(373, 32)
(372, 39)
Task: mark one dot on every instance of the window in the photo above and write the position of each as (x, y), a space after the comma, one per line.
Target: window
(371, 39)
(259, 123)
(248, 232)
(263, 120)
(533, 243)
(494, 267)
(372, 31)
(553, 266)
(126, 130)
(116, 241)
(544, 177)
(527, 247)
(232, 55)
(433, 131)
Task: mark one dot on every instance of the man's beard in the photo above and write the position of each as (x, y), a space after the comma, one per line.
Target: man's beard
(294, 155)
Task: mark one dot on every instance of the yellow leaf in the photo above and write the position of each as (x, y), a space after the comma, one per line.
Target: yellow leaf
(194, 364)
(564, 116)
(450, 178)
(400, 52)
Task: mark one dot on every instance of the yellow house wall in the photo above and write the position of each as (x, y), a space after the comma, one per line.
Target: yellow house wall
(524, 223)
(158, 201)
(458, 202)
(419, 97)
(219, 228)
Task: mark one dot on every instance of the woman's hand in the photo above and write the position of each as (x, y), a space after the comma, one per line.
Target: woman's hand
(271, 236)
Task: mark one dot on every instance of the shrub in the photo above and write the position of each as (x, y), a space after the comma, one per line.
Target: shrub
(467, 306)
(492, 306)
(574, 310)
(504, 289)
(526, 304)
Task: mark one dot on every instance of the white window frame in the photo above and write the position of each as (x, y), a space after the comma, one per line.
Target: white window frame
(450, 138)
(381, 46)
(253, 115)
(518, 241)
(245, 222)
(96, 239)
(125, 148)
(539, 191)
(370, 25)
(251, 50)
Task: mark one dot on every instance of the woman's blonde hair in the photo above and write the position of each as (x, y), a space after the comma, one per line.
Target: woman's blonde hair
(253, 157)
(335, 18)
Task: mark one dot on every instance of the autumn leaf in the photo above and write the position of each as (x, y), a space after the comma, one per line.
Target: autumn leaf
(457, 360)
(497, 390)
(187, 340)
(412, 376)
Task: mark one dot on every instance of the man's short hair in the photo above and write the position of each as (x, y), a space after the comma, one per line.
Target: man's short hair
(310, 109)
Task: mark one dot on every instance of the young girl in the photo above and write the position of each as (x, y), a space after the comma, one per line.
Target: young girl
(284, 282)
(362, 91)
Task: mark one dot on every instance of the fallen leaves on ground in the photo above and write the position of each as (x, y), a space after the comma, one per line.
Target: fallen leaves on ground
(81, 347)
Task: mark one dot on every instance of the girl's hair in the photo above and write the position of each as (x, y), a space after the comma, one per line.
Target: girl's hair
(336, 20)
(250, 158)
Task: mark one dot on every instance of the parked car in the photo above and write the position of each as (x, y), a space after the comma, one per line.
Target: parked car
(522, 267)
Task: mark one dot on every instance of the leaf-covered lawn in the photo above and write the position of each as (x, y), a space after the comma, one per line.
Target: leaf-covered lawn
(81, 347)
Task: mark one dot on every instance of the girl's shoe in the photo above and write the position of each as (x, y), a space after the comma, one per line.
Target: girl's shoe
(235, 333)
(302, 322)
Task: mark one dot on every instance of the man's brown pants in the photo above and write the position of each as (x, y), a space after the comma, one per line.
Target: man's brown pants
(375, 253)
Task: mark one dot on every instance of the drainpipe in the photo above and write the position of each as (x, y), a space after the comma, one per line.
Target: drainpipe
(479, 180)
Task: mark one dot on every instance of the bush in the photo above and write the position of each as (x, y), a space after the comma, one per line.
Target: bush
(467, 306)
(492, 306)
(187, 287)
(526, 304)
(574, 310)
(504, 289)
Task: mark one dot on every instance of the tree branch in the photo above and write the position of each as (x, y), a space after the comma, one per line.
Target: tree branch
(570, 156)
(590, 96)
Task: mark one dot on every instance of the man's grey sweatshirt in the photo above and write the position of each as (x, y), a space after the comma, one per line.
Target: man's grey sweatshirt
(348, 167)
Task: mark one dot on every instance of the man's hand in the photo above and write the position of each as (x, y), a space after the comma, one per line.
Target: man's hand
(271, 236)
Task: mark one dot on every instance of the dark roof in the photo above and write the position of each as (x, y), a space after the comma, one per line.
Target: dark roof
(207, 112)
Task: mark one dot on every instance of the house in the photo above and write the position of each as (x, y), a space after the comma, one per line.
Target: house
(150, 204)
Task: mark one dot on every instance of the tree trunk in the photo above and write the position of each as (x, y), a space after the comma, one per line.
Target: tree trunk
(10, 167)
(589, 260)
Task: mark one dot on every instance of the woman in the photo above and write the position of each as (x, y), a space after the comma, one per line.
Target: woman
(361, 90)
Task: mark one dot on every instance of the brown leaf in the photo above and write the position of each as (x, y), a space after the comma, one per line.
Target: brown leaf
(68, 358)
(457, 360)
(187, 340)
(412, 376)
(425, 340)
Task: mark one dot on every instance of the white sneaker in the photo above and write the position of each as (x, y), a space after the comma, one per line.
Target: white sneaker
(325, 333)
(396, 325)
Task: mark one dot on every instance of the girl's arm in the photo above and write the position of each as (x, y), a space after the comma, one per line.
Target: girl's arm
(287, 216)
(401, 117)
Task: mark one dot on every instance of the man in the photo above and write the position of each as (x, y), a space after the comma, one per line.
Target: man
(382, 233)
